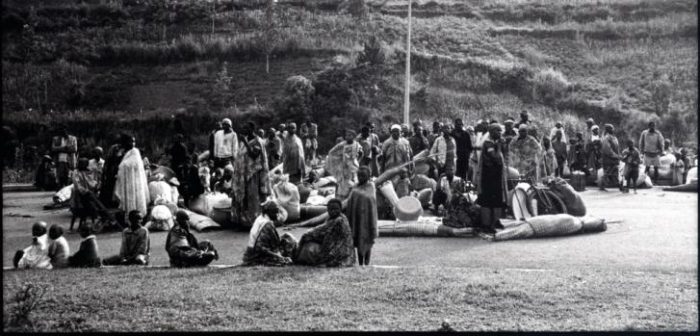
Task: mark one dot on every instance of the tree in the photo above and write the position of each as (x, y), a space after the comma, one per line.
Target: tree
(271, 34)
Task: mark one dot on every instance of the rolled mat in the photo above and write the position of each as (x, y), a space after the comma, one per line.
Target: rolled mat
(423, 227)
(310, 211)
(693, 187)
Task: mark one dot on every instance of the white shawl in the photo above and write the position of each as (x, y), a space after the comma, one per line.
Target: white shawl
(132, 186)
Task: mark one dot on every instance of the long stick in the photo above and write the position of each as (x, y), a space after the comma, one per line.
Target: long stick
(407, 89)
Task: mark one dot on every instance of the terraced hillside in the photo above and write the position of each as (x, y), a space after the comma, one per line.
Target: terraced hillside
(140, 63)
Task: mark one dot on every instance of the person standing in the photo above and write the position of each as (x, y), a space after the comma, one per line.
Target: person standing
(593, 151)
(590, 123)
(437, 127)
(395, 150)
(273, 148)
(183, 248)
(560, 152)
(343, 162)
(179, 157)
(293, 155)
(65, 149)
(251, 184)
(361, 212)
(491, 178)
(632, 159)
(136, 244)
(610, 155)
(417, 141)
(444, 149)
(524, 154)
(370, 147)
(549, 158)
(97, 164)
(309, 134)
(577, 155)
(524, 119)
(131, 188)
(558, 127)
(115, 155)
(225, 145)
(509, 132)
(651, 144)
(464, 148)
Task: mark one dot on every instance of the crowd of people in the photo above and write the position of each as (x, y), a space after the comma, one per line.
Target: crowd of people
(242, 164)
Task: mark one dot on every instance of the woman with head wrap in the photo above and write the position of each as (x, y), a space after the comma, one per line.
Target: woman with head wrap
(343, 162)
(395, 150)
(251, 185)
(593, 148)
(264, 244)
(491, 180)
(330, 244)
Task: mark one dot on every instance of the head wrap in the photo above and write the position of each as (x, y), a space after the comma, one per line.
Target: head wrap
(509, 121)
(494, 127)
(470, 128)
(590, 120)
(269, 205)
(522, 127)
(395, 127)
(227, 121)
(595, 127)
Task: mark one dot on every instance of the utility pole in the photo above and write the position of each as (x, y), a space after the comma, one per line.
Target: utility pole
(407, 89)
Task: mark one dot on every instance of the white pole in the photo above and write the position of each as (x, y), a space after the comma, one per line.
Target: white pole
(407, 90)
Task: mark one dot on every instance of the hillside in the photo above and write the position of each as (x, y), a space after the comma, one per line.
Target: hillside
(139, 64)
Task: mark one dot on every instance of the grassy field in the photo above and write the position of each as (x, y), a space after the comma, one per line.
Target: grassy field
(298, 298)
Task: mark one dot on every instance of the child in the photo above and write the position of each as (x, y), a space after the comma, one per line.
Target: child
(59, 249)
(84, 191)
(88, 253)
(136, 245)
(632, 159)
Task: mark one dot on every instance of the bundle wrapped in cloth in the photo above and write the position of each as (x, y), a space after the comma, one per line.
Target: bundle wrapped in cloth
(549, 226)
(423, 227)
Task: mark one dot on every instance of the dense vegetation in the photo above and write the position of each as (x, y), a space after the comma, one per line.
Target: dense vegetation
(141, 64)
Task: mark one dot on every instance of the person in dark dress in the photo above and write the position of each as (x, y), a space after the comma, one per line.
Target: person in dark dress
(179, 157)
(88, 253)
(183, 248)
(115, 154)
(492, 180)
(464, 148)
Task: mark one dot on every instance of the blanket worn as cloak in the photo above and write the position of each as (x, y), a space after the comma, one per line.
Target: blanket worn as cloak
(264, 245)
(362, 215)
(293, 158)
(131, 187)
(251, 185)
(336, 243)
(525, 155)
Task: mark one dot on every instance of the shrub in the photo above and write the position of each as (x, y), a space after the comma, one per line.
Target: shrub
(549, 85)
(24, 302)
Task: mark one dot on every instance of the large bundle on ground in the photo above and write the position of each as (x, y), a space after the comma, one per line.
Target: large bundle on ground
(202, 223)
(161, 219)
(572, 200)
(550, 226)
(424, 226)
(63, 195)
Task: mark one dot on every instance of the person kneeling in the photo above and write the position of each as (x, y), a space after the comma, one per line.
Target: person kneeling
(264, 244)
(183, 248)
(88, 253)
(136, 244)
(330, 244)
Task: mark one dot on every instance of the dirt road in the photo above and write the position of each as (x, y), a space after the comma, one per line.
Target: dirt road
(658, 232)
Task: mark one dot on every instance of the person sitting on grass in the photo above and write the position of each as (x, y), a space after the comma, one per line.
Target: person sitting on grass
(36, 254)
(88, 253)
(59, 249)
(330, 244)
(632, 158)
(264, 244)
(136, 244)
(183, 248)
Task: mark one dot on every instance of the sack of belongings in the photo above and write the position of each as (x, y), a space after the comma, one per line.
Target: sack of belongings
(572, 200)
(161, 219)
(202, 223)
(288, 197)
(204, 204)
(63, 195)
(461, 213)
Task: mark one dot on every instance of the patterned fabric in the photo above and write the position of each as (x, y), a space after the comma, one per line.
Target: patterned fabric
(342, 162)
(336, 243)
(396, 153)
(549, 162)
(371, 150)
(185, 251)
(251, 184)
(361, 212)
(65, 150)
(264, 245)
(525, 155)
(460, 213)
(610, 150)
(83, 183)
(446, 151)
(132, 185)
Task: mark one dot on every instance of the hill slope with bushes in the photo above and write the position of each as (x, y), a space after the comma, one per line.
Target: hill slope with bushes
(140, 65)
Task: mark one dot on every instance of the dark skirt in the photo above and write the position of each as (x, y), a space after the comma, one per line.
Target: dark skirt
(491, 195)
